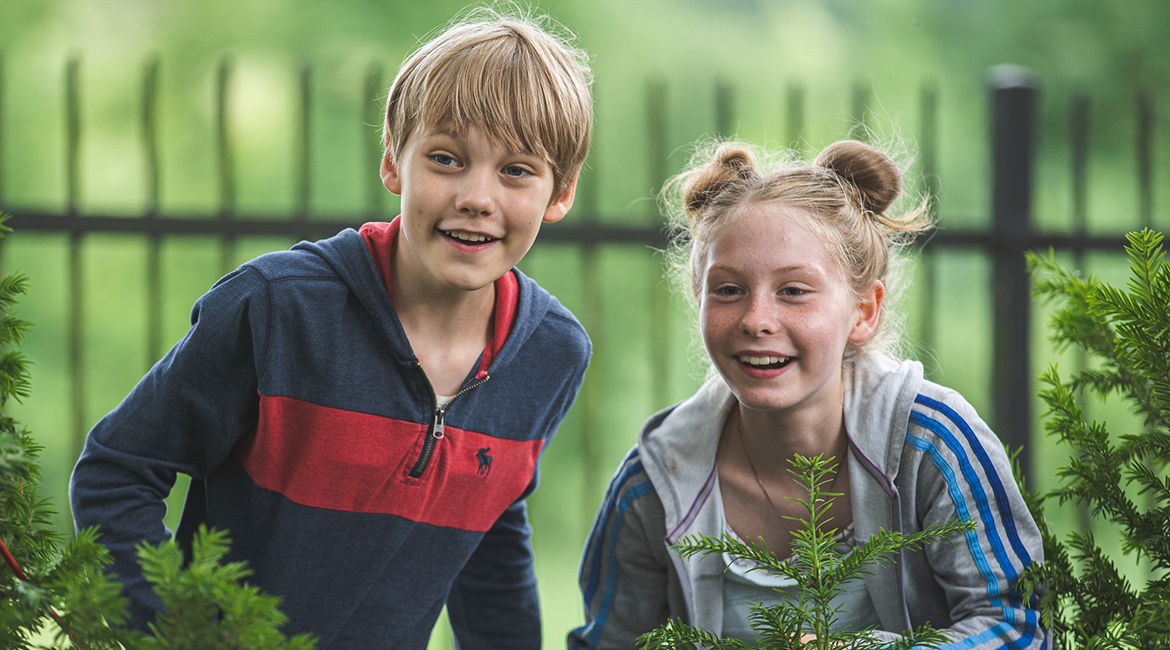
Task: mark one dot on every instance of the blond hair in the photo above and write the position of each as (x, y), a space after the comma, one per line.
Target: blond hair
(845, 193)
(508, 76)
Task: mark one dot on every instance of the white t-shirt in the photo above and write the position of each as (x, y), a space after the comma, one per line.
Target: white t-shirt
(743, 588)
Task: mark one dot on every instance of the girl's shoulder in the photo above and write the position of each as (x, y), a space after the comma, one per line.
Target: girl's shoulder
(935, 403)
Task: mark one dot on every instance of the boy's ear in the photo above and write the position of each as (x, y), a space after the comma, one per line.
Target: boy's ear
(390, 172)
(559, 206)
(869, 308)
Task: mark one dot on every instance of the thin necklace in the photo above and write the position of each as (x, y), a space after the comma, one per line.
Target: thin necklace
(748, 455)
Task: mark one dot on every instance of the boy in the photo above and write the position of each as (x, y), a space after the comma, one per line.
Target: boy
(365, 414)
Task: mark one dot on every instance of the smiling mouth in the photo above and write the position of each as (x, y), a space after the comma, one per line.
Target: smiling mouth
(468, 237)
(765, 363)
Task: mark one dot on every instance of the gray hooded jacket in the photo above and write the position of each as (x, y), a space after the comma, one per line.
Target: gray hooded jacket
(920, 455)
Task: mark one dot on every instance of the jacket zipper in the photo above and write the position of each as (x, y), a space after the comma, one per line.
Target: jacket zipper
(435, 434)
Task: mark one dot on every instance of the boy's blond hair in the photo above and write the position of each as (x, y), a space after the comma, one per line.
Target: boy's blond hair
(508, 76)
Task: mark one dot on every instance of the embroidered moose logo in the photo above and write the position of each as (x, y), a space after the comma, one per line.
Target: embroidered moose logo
(485, 461)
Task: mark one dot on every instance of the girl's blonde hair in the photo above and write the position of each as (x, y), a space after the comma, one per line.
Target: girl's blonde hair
(846, 194)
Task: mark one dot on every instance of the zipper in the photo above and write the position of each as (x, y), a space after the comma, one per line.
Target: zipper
(435, 433)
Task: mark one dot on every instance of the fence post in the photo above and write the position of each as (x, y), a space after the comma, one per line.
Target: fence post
(794, 115)
(859, 111)
(593, 319)
(1, 128)
(658, 151)
(928, 153)
(725, 126)
(1145, 158)
(1078, 138)
(1013, 108)
(304, 144)
(224, 154)
(154, 240)
(372, 94)
(76, 309)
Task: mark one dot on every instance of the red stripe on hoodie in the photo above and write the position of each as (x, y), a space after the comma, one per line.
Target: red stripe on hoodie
(341, 460)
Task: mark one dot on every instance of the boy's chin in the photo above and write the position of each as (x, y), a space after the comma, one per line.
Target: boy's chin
(472, 282)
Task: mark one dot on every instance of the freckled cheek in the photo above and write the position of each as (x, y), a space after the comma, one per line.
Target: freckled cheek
(715, 327)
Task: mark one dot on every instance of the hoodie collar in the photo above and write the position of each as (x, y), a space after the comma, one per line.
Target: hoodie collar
(678, 452)
(380, 240)
(351, 258)
(678, 448)
(879, 393)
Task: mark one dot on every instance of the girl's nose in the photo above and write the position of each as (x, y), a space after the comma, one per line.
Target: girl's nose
(760, 317)
(474, 195)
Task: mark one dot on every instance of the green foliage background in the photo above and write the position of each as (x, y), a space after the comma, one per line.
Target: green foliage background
(1109, 50)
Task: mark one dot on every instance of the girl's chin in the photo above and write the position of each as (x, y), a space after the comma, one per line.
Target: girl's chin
(757, 400)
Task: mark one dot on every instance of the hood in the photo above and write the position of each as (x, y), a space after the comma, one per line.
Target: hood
(678, 446)
(678, 451)
(349, 257)
(879, 393)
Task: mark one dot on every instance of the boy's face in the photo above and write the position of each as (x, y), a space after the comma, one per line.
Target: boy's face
(470, 208)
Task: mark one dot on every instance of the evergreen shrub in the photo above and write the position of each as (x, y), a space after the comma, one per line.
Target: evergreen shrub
(1119, 477)
(47, 580)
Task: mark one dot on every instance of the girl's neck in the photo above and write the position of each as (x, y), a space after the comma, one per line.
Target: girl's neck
(774, 436)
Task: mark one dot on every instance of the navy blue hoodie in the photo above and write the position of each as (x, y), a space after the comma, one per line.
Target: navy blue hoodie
(310, 432)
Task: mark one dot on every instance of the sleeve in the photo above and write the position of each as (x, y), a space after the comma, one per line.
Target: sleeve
(626, 579)
(966, 474)
(493, 602)
(184, 416)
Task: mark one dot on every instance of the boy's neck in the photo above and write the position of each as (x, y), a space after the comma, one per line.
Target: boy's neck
(448, 328)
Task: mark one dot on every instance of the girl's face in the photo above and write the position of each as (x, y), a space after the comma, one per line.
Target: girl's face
(776, 310)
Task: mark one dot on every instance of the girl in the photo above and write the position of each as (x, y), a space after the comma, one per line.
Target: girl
(789, 267)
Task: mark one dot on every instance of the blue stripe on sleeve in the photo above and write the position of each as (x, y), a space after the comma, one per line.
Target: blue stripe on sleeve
(1005, 508)
(598, 623)
(973, 544)
(1000, 630)
(990, 633)
(633, 469)
(980, 496)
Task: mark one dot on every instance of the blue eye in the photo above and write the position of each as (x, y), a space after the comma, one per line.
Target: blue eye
(793, 292)
(515, 171)
(443, 159)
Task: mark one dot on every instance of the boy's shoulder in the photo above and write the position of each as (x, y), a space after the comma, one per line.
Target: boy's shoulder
(338, 255)
(555, 321)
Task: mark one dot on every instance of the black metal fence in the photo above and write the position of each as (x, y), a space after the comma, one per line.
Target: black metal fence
(1013, 114)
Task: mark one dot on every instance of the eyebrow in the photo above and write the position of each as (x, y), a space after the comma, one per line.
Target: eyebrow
(454, 135)
(783, 269)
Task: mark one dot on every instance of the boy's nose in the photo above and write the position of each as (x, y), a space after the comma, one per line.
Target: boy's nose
(475, 193)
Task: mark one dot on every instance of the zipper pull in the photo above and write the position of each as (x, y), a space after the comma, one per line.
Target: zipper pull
(437, 424)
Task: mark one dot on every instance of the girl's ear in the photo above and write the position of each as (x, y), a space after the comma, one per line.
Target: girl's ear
(869, 309)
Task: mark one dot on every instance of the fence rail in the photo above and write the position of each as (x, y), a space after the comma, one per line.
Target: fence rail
(1014, 118)
(587, 229)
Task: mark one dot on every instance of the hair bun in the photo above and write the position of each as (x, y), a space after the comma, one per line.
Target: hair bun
(873, 173)
(732, 162)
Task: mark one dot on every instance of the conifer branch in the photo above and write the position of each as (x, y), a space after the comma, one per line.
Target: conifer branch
(818, 572)
(1088, 603)
(45, 577)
